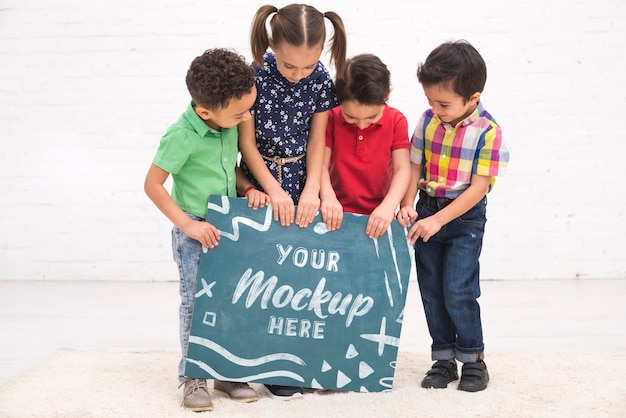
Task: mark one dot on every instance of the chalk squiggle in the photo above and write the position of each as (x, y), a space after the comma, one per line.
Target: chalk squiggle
(234, 236)
(258, 376)
(211, 345)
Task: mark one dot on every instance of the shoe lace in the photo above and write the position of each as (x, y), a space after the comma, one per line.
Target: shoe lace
(196, 385)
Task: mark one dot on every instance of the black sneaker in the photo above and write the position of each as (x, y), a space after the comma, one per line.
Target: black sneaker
(474, 377)
(440, 374)
(284, 393)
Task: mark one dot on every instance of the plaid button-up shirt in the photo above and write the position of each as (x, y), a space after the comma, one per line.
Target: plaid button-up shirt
(451, 154)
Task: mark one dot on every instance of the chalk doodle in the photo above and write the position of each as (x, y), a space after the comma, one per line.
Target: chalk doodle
(298, 306)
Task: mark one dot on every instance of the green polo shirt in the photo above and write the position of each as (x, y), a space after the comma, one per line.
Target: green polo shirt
(200, 159)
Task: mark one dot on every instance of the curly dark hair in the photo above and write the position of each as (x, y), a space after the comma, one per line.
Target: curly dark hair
(217, 76)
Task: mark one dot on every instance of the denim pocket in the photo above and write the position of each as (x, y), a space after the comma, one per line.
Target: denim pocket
(476, 216)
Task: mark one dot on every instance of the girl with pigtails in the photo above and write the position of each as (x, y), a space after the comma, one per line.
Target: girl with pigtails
(283, 145)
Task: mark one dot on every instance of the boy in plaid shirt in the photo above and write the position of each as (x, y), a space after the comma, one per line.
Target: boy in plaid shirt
(456, 153)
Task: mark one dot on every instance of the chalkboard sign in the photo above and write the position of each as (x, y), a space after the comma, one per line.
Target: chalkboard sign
(298, 307)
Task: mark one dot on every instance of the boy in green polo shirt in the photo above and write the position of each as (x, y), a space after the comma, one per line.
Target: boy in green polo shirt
(200, 152)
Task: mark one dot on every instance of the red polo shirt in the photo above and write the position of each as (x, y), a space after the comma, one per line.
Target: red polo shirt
(360, 163)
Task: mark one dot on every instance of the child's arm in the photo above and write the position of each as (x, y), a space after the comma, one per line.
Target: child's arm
(153, 186)
(381, 217)
(315, 149)
(407, 213)
(256, 198)
(282, 204)
(332, 211)
(427, 227)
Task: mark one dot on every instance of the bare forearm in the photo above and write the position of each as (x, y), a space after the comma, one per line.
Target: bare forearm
(315, 152)
(466, 200)
(253, 158)
(411, 191)
(400, 179)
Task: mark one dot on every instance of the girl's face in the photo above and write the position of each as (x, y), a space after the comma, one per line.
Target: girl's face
(296, 62)
(449, 106)
(361, 115)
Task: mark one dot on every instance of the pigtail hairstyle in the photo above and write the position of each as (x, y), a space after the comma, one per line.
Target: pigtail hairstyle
(297, 24)
(338, 43)
(259, 39)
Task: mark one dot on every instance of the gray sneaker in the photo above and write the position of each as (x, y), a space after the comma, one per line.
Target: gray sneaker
(237, 391)
(196, 396)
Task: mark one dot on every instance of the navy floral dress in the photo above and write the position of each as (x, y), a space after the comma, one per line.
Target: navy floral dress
(282, 114)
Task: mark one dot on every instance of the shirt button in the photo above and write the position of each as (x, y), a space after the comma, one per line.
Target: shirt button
(441, 179)
(360, 137)
(225, 159)
(443, 156)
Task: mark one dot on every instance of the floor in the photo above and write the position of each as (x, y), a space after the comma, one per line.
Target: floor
(36, 318)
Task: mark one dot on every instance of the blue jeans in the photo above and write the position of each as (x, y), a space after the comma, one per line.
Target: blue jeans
(449, 282)
(187, 253)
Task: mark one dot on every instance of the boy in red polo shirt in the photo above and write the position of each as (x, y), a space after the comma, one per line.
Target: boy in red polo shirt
(367, 149)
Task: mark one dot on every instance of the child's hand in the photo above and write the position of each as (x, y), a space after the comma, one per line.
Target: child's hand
(332, 213)
(308, 205)
(379, 221)
(283, 207)
(424, 229)
(204, 232)
(257, 199)
(406, 215)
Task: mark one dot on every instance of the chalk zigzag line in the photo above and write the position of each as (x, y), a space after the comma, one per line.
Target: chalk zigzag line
(212, 345)
(224, 209)
(234, 236)
(277, 373)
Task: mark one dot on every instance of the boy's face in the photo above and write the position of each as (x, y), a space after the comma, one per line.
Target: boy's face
(296, 62)
(449, 106)
(361, 115)
(237, 111)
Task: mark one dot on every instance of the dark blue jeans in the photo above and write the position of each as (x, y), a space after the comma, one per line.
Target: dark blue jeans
(449, 282)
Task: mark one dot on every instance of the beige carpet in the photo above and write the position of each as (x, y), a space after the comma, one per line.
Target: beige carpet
(80, 383)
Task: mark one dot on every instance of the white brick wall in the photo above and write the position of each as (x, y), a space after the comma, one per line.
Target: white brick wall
(87, 89)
